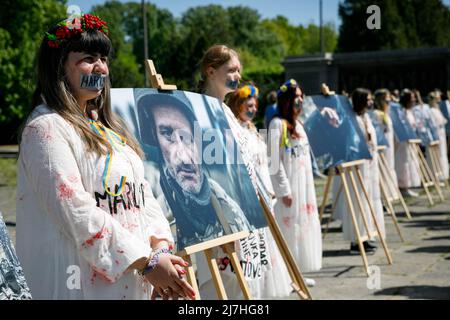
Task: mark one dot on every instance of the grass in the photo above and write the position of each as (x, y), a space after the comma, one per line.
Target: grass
(8, 172)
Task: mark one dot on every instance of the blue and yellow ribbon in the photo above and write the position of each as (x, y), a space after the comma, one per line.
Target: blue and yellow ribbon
(112, 138)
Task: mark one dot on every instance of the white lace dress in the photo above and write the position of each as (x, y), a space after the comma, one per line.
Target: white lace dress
(276, 280)
(73, 239)
(261, 255)
(440, 121)
(405, 166)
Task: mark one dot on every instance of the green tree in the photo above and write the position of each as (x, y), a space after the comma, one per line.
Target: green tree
(162, 37)
(404, 24)
(22, 26)
(124, 68)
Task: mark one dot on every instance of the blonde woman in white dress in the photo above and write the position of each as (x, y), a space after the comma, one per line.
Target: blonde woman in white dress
(405, 166)
(244, 104)
(220, 75)
(382, 106)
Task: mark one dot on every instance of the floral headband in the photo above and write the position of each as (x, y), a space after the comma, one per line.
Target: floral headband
(291, 83)
(248, 91)
(71, 27)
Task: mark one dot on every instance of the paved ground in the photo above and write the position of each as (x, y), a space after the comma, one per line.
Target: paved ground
(421, 264)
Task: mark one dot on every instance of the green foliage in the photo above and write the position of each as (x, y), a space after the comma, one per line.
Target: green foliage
(22, 25)
(8, 173)
(404, 24)
(175, 45)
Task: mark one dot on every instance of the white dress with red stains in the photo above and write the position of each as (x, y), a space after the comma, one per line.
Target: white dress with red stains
(405, 166)
(440, 122)
(74, 240)
(259, 258)
(276, 282)
(371, 178)
(294, 176)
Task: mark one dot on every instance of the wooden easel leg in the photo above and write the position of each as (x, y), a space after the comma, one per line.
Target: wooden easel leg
(414, 154)
(355, 222)
(333, 209)
(298, 283)
(390, 209)
(395, 189)
(434, 152)
(360, 203)
(388, 203)
(191, 277)
(372, 211)
(325, 197)
(238, 270)
(432, 175)
(212, 264)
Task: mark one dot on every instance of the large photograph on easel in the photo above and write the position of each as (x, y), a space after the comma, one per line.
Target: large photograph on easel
(192, 162)
(333, 131)
(402, 128)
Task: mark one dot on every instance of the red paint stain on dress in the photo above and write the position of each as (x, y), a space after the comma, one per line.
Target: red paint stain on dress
(65, 192)
(99, 235)
(93, 276)
(73, 179)
(310, 208)
(287, 221)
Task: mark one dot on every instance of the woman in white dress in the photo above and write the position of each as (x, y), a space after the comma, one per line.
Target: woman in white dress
(244, 104)
(405, 166)
(361, 100)
(88, 226)
(220, 75)
(441, 122)
(292, 178)
(382, 106)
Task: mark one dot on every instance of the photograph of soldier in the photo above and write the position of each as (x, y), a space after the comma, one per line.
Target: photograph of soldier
(333, 132)
(202, 210)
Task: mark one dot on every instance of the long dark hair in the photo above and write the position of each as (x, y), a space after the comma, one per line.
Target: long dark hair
(53, 89)
(359, 100)
(285, 106)
(406, 97)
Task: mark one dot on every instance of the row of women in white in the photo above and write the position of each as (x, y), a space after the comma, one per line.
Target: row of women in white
(70, 248)
(292, 184)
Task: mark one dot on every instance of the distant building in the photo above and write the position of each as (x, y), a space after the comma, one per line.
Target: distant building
(423, 69)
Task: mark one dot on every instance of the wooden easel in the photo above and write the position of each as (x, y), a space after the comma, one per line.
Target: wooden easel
(389, 190)
(427, 177)
(298, 283)
(227, 242)
(435, 160)
(347, 172)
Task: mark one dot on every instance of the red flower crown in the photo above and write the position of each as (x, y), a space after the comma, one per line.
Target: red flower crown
(69, 28)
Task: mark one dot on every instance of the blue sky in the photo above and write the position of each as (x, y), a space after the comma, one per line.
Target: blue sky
(297, 11)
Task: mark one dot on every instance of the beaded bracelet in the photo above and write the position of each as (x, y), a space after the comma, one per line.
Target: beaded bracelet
(153, 260)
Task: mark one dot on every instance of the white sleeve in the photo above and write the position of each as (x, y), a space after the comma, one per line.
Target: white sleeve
(278, 174)
(50, 166)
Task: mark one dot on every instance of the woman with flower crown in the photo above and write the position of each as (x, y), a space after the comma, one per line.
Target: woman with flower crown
(292, 178)
(88, 226)
(244, 104)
